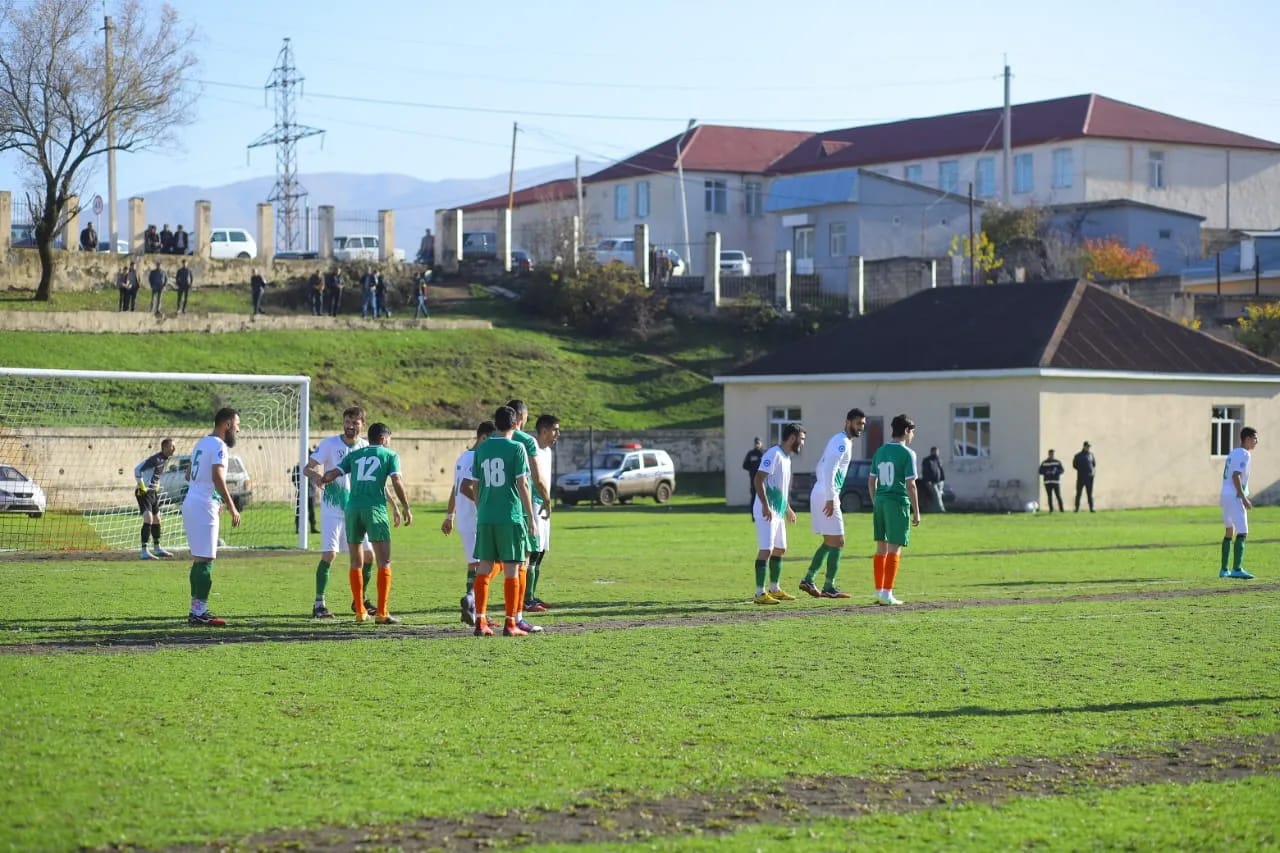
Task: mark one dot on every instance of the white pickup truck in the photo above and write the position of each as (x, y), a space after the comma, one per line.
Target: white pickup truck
(360, 247)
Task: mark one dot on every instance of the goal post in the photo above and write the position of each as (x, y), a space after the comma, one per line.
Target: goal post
(69, 441)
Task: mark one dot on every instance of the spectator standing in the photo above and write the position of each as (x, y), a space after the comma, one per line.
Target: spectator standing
(315, 292)
(367, 306)
(751, 464)
(89, 238)
(654, 277)
(131, 303)
(1051, 470)
(183, 280)
(151, 240)
(380, 308)
(166, 240)
(1086, 465)
(934, 477)
(122, 285)
(333, 291)
(427, 249)
(181, 241)
(158, 279)
(258, 285)
(424, 291)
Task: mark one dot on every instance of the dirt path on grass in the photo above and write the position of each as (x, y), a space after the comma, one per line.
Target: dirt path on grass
(791, 801)
(157, 634)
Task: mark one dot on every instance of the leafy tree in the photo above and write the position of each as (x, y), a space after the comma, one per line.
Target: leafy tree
(1008, 226)
(56, 99)
(1259, 329)
(983, 254)
(601, 301)
(1109, 259)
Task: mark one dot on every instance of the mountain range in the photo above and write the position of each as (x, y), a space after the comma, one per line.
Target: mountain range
(356, 199)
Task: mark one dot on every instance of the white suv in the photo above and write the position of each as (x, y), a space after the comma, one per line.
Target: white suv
(173, 480)
(735, 262)
(225, 243)
(621, 472)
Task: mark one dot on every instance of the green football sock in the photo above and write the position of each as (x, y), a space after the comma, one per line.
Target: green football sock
(1239, 555)
(1226, 552)
(833, 567)
(368, 576)
(201, 579)
(471, 579)
(816, 563)
(760, 570)
(532, 574)
(322, 579)
(775, 569)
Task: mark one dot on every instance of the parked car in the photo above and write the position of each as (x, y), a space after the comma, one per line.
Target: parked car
(225, 243)
(24, 237)
(122, 246)
(521, 261)
(361, 247)
(735, 262)
(174, 485)
(621, 472)
(677, 262)
(853, 495)
(19, 493)
(611, 249)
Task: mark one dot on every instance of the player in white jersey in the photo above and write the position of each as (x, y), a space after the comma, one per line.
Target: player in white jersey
(824, 505)
(772, 512)
(1236, 503)
(461, 516)
(546, 432)
(328, 455)
(207, 494)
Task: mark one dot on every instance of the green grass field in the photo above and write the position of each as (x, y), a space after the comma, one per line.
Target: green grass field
(1054, 681)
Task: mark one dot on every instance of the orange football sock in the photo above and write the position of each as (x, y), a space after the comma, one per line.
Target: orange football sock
(523, 576)
(384, 589)
(357, 588)
(511, 589)
(877, 568)
(481, 589)
(891, 562)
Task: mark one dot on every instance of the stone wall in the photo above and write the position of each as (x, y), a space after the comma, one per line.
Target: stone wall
(891, 279)
(141, 322)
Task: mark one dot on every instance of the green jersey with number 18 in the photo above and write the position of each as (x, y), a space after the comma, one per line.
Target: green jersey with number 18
(498, 464)
(369, 468)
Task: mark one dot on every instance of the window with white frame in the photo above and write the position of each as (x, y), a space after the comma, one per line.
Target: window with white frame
(780, 416)
(715, 196)
(985, 177)
(642, 199)
(1225, 422)
(621, 202)
(1023, 180)
(1155, 170)
(970, 430)
(753, 191)
(837, 243)
(913, 173)
(1062, 168)
(949, 176)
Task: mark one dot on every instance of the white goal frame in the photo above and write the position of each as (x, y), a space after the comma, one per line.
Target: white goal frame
(303, 384)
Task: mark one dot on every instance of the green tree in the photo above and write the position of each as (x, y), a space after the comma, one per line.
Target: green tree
(1259, 329)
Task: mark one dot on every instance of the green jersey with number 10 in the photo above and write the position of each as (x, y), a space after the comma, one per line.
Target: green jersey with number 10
(369, 468)
(893, 465)
(498, 464)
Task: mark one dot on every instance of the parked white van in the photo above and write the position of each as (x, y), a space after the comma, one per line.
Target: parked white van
(227, 243)
(360, 247)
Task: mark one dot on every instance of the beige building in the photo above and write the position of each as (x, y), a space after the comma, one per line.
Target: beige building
(995, 376)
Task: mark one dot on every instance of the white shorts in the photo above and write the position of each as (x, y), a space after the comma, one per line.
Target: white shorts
(466, 529)
(771, 535)
(823, 526)
(1234, 515)
(541, 531)
(333, 531)
(200, 521)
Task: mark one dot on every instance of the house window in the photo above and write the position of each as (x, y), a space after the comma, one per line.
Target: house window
(715, 196)
(1023, 181)
(970, 430)
(780, 416)
(949, 176)
(621, 202)
(1062, 168)
(837, 242)
(1225, 423)
(914, 173)
(1166, 233)
(754, 191)
(1155, 170)
(986, 178)
(642, 199)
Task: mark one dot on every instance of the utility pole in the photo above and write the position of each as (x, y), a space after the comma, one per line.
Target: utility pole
(973, 248)
(684, 202)
(288, 190)
(1007, 122)
(582, 222)
(511, 179)
(109, 97)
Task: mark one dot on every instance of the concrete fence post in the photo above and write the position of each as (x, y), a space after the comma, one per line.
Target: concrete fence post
(641, 257)
(137, 225)
(71, 229)
(386, 235)
(857, 287)
(782, 281)
(324, 232)
(711, 278)
(266, 232)
(6, 224)
(202, 229)
(504, 239)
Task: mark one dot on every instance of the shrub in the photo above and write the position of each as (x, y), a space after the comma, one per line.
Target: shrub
(600, 301)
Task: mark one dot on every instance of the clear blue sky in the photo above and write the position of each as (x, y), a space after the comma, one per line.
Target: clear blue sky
(817, 65)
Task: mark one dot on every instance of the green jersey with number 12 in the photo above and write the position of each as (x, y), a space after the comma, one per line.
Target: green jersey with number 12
(369, 468)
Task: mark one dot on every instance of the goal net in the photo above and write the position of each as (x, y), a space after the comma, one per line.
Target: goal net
(70, 439)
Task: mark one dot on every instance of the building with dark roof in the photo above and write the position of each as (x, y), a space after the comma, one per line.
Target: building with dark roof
(994, 376)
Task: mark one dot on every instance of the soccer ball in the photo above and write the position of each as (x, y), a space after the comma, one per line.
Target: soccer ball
(1031, 506)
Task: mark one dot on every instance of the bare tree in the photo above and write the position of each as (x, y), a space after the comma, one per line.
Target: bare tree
(56, 100)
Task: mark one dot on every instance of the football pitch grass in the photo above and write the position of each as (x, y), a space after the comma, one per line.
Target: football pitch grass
(1059, 681)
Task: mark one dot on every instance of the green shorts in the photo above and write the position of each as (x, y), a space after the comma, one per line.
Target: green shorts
(891, 521)
(368, 519)
(502, 543)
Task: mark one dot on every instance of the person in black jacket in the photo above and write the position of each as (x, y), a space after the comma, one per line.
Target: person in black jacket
(933, 475)
(158, 280)
(259, 286)
(751, 464)
(1085, 466)
(183, 279)
(1051, 470)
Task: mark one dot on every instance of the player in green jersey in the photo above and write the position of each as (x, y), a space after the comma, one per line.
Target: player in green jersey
(366, 513)
(897, 505)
